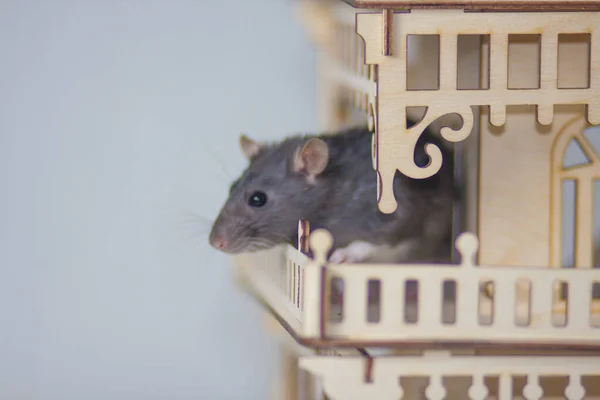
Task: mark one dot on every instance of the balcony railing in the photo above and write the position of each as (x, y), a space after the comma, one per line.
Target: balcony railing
(438, 375)
(522, 308)
(414, 303)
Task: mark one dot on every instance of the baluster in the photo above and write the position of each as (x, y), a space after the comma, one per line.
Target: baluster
(355, 299)
(579, 300)
(435, 390)
(299, 288)
(430, 294)
(292, 281)
(392, 304)
(575, 390)
(282, 277)
(522, 301)
(548, 74)
(298, 284)
(467, 288)
(505, 387)
(548, 64)
(311, 318)
(448, 63)
(303, 248)
(294, 294)
(279, 276)
(315, 276)
(504, 304)
(478, 390)
(301, 292)
(287, 279)
(499, 61)
(533, 390)
(541, 303)
(498, 75)
(291, 286)
(467, 301)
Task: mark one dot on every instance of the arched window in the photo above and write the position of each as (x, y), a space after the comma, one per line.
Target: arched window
(576, 196)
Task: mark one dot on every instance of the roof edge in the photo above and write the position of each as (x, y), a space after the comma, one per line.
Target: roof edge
(479, 5)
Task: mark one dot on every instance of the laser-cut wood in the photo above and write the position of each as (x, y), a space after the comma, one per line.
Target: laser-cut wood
(506, 324)
(516, 227)
(482, 5)
(584, 177)
(396, 143)
(341, 376)
(518, 165)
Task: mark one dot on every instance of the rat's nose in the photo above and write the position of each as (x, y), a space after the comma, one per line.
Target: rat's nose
(218, 243)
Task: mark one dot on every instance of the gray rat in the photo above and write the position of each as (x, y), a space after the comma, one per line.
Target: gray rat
(329, 181)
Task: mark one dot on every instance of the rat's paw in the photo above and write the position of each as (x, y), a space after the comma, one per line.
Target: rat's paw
(338, 257)
(355, 252)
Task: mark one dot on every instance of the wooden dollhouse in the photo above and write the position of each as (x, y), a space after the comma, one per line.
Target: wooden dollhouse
(515, 85)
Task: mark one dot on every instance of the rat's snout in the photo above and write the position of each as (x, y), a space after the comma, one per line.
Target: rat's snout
(218, 242)
(218, 239)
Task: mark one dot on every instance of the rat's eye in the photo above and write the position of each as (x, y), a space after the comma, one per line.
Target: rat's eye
(257, 199)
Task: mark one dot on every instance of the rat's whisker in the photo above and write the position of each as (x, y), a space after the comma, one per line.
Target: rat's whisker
(193, 219)
(219, 160)
(251, 248)
(259, 241)
(261, 244)
(196, 228)
(195, 237)
(278, 237)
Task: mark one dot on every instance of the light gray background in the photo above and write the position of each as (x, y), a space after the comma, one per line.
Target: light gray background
(113, 118)
(119, 122)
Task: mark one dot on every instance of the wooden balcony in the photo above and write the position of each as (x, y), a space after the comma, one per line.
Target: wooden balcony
(489, 307)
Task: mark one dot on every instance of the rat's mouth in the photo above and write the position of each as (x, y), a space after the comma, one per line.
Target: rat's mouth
(226, 246)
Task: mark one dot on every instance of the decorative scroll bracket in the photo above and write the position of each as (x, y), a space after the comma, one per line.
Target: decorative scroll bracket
(394, 144)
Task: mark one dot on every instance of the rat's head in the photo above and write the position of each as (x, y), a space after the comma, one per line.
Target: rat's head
(278, 188)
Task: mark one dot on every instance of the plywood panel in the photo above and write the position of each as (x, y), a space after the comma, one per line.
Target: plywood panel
(514, 5)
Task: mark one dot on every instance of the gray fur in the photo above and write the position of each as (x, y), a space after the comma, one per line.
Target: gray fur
(342, 200)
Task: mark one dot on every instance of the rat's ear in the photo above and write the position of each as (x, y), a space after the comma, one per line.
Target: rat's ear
(312, 159)
(250, 148)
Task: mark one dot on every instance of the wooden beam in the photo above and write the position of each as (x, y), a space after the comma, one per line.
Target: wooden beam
(481, 5)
